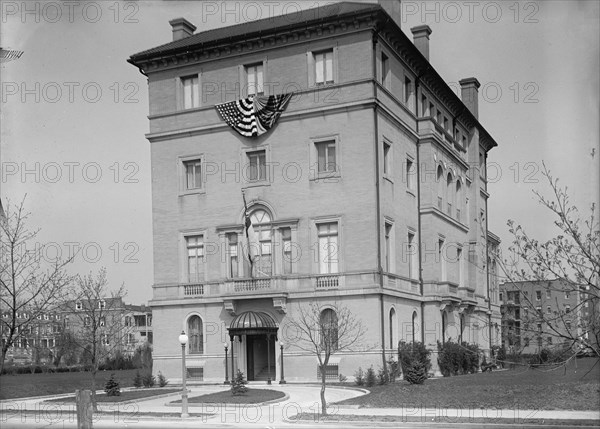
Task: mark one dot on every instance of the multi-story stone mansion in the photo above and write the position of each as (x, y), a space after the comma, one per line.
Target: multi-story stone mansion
(369, 192)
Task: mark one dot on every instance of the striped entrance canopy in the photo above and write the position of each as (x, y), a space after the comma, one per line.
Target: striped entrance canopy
(252, 323)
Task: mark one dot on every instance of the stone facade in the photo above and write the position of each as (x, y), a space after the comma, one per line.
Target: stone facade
(393, 226)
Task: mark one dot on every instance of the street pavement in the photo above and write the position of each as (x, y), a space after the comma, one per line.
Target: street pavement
(159, 413)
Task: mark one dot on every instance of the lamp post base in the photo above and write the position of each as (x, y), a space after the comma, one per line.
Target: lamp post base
(281, 381)
(269, 380)
(226, 382)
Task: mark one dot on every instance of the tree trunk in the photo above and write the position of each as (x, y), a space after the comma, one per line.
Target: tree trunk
(94, 404)
(323, 385)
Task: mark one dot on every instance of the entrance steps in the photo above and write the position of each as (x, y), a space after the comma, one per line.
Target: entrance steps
(263, 374)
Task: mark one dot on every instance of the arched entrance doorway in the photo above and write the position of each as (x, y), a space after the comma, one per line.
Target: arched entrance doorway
(259, 332)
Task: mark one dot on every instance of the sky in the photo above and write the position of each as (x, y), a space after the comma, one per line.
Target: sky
(74, 112)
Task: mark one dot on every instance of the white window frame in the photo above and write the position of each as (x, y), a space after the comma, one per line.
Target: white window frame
(191, 99)
(319, 252)
(315, 174)
(185, 276)
(183, 162)
(410, 176)
(260, 86)
(413, 263)
(78, 306)
(101, 304)
(389, 241)
(386, 70)
(387, 155)
(312, 59)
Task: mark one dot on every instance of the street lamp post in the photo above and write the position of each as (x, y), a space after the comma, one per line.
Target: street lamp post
(281, 379)
(183, 339)
(226, 369)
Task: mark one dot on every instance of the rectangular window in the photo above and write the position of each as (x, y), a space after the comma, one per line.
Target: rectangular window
(568, 309)
(102, 321)
(195, 258)
(460, 265)
(105, 340)
(500, 296)
(568, 324)
(407, 90)
(539, 341)
(538, 295)
(385, 70)
(412, 254)
(387, 158)
(323, 67)
(526, 342)
(548, 309)
(442, 261)
(438, 117)
(130, 338)
(326, 157)
(328, 247)
(566, 295)
(446, 124)
(86, 321)
(388, 247)
(191, 92)
(410, 174)
(255, 83)
(548, 294)
(232, 255)
(257, 161)
(331, 372)
(193, 174)
(286, 239)
(549, 340)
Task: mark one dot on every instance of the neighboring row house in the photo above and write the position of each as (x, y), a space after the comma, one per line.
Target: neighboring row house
(36, 341)
(123, 327)
(369, 192)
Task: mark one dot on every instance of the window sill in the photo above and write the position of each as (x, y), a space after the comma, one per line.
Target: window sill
(256, 184)
(192, 192)
(325, 176)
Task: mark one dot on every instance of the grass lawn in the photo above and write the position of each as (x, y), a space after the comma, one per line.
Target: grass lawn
(25, 385)
(253, 396)
(522, 387)
(129, 395)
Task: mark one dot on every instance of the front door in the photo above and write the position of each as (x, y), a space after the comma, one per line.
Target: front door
(257, 359)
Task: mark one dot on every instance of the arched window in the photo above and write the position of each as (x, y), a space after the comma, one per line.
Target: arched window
(329, 329)
(459, 199)
(393, 323)
(196, 339)
(261, 223)
(440, 181)
(414, 326)
(449, 194)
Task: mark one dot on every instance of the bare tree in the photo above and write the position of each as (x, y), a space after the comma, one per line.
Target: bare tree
(323, 332)
(30, 284)
(568, 262)
(99, 329)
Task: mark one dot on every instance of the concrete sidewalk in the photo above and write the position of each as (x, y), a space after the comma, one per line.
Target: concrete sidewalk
(158, 412)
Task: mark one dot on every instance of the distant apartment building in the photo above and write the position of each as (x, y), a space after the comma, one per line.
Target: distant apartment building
(536, 315)
(123, 326)
(37, 341)
(369, 192)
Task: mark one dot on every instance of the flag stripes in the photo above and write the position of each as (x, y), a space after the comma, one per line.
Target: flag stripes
(255, 115)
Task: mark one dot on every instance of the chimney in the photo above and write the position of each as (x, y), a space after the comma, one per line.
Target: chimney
(182, 28)
(393, 8)
(469, 93)
(421, 39)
